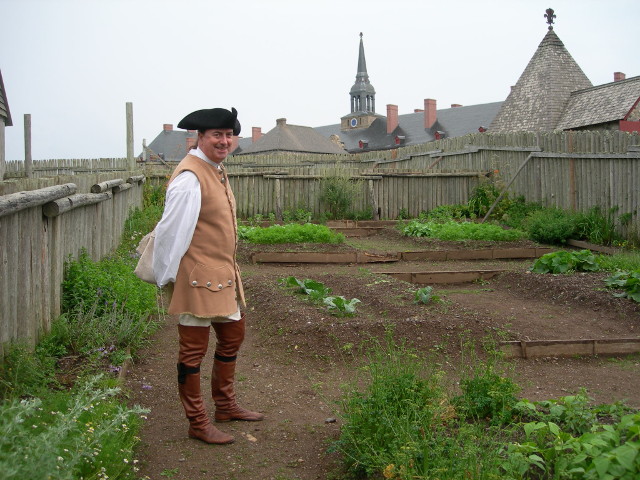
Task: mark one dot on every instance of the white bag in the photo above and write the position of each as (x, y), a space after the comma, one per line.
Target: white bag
(144, 269)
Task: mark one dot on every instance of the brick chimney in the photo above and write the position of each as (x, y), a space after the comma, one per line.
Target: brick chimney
(392, 118)
(617, 76)
(191, 142)
(167, 127)
(256, 133)
(234, 143)
(429, 112)
(455, 105)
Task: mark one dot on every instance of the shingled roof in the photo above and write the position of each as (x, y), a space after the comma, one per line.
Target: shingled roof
(604, 103)
(540, 96)
(454, 122)
(290, 138)
(5, 114)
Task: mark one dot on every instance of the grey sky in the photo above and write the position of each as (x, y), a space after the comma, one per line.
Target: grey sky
(74, 64)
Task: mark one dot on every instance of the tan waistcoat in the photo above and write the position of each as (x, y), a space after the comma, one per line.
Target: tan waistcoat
(208, 281)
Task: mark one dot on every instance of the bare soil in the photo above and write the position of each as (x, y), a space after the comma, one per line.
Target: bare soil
(297, 356)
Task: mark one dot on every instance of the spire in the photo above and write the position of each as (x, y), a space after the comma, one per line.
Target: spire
(362, 93)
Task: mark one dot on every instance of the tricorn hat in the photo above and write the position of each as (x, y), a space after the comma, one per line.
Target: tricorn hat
(211, 118)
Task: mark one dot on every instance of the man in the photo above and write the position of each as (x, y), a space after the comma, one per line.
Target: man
(195, 253)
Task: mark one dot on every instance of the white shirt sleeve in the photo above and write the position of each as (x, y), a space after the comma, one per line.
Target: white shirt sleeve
(175, 230)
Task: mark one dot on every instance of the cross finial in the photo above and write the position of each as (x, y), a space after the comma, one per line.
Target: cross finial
(550, 16)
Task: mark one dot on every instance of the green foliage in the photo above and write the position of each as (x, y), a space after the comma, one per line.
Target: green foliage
(517, 212)
(566, 262)
(340, 306)
(106, 285)
(620, 261)
(85, 433)
(460, 231)
(445, 213)
(425, 295)
(299, 215)
(483, 196)
(551, 225)
(318, 293)
(338, 193)
(290, 233)
(599, 227)
(628, 282)
(486, 393)
(23, 373)
(153, 196)
(605, 452)
(403, 214)
(401, 424)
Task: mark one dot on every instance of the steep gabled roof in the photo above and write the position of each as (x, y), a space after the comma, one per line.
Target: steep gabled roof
(540, 96)
(4, 105)
(291, 138)
(601, 104)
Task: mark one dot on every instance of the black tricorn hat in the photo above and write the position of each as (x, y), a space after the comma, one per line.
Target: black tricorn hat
(211, 118)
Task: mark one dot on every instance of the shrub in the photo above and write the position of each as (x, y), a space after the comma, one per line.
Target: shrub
(339, 193)
(106, 285)
(551, 225)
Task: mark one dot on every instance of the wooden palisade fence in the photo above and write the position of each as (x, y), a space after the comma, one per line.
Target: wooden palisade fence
(576, 170)
(42, 228)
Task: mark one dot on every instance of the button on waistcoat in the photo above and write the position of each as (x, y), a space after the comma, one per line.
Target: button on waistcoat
(208, 282)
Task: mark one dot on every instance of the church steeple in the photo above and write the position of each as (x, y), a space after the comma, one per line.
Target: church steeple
(363, 95)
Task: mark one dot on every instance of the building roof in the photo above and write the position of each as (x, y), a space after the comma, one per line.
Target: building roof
(4, 104)
(601, 104)
(290, 138)
(540, 96)
(454, 122)
(171, 145)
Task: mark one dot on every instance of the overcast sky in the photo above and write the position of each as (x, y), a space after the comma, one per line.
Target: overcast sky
(74, 64)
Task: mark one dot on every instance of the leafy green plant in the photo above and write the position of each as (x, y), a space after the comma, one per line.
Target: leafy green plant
(340, 306)
(606, 452)
(517, 211)
(620, 261)
(317, 292)
(460, 231)
(551, 225)
(425, 295)
(628, 282)
(289, 233)
(565, 262)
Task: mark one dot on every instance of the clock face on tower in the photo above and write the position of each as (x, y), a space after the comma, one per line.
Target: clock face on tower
(353, 122)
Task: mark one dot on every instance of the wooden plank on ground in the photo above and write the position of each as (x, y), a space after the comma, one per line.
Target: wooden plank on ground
(567, 348)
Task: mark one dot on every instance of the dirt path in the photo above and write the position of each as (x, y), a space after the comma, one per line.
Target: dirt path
(297, 356)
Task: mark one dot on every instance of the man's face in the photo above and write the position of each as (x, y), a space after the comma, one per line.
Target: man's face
(215, 143)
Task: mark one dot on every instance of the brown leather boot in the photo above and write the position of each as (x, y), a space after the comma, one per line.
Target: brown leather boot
(193, 346)
(229, 338)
